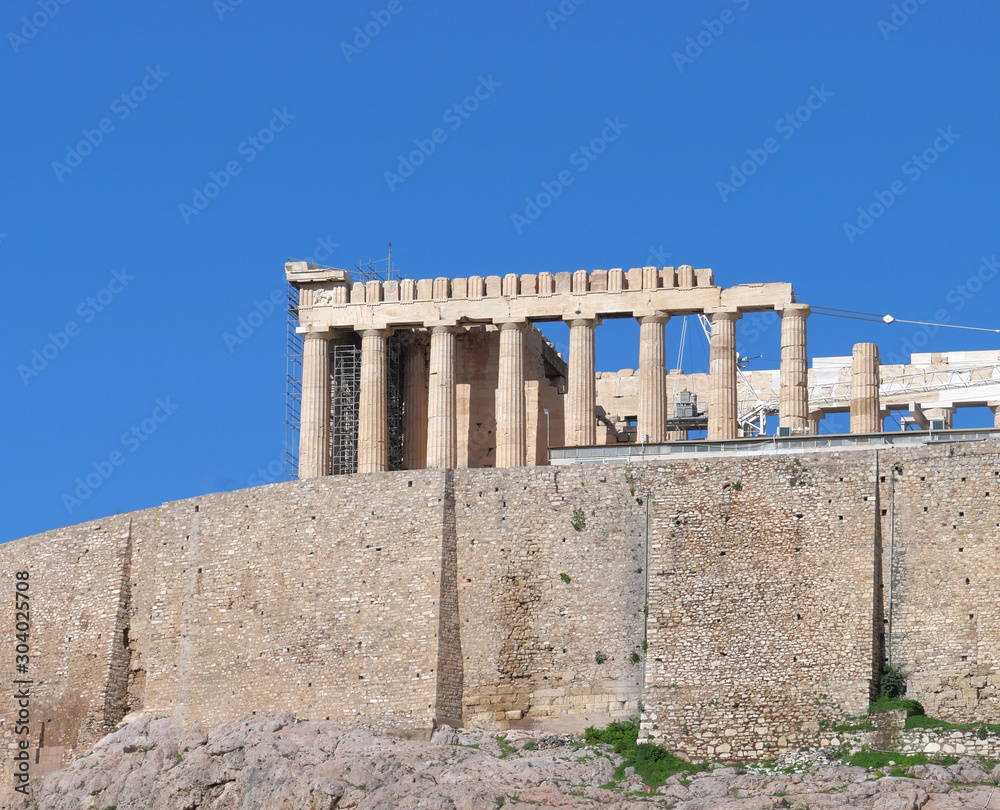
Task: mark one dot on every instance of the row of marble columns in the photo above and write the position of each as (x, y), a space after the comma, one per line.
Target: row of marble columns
(429, 420)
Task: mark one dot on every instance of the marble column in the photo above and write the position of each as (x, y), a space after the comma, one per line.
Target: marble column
(581, 421)
(510, 397)
(441, 445)
(722, 375)
(815, 417)
(415, 403)
(793, 404)
(652, 379)
(373, 405)
(866, 414)
(995, 407)
(314, 417)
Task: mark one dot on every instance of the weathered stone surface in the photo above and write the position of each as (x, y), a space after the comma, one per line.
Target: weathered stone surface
(273, 762)
(443, 599)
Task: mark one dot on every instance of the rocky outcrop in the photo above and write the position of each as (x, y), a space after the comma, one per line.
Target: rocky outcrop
(273, 762)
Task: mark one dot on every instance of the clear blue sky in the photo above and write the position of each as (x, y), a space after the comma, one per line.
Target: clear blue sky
(117, 115)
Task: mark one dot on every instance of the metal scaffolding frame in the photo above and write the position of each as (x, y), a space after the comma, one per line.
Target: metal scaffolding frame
(394, 361)
(345, 394)
(293, 384)
(345, 385)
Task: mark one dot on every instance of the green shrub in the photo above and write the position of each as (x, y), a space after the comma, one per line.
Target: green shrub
(600, 657)
(893, 683)
(579, 520)
(565, 578)
(656, 765)
(623, 735)
(652, 762)
(634, 657)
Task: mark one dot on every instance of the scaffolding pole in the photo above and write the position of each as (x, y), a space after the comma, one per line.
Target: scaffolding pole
(293, 384)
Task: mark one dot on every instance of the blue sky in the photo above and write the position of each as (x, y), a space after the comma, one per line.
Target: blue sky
(161, 161)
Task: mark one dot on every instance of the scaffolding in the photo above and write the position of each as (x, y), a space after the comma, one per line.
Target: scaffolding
(345, 384)
(378, 269)
(293, 384)
(394, 360)
(345, 394)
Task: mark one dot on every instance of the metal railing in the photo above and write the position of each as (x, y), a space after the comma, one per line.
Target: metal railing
(765, 444)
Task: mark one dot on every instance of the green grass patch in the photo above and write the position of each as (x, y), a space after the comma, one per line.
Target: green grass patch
(880, 760)
(506, 749)
(922, 721)
(885, 704)
(864, 724)
(653, 763)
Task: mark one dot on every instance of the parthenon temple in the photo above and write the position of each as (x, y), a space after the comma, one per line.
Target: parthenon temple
(444, 373)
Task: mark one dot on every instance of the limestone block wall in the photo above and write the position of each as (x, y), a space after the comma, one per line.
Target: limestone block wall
(321, 597)
(397, 600)
(77, 656)
(945, 588)
(551, 575)
(762, 604)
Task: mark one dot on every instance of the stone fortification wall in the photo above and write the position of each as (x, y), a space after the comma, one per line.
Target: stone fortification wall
(762, 605)
(400, 600)
(322, 597)
(551, 592)
(77, 658)
(945, 587)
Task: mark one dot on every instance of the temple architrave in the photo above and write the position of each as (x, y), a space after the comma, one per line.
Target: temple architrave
(452, 372)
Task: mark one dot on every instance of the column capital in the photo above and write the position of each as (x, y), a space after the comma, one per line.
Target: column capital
(312, 333)
(582, 320)
(723, 314)
(506, 326)
(794, 310)
(651, 316)
(414, 337)
(442, 327)
(376, 332)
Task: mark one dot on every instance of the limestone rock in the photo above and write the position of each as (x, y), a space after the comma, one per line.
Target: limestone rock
(273, 762)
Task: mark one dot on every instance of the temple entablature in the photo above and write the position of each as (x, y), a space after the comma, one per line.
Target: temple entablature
(443, 372)
(332, 299)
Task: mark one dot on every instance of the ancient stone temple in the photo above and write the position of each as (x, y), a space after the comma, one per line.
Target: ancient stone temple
(452, 373)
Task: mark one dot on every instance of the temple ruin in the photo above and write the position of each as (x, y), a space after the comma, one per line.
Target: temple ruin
(445, 373)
